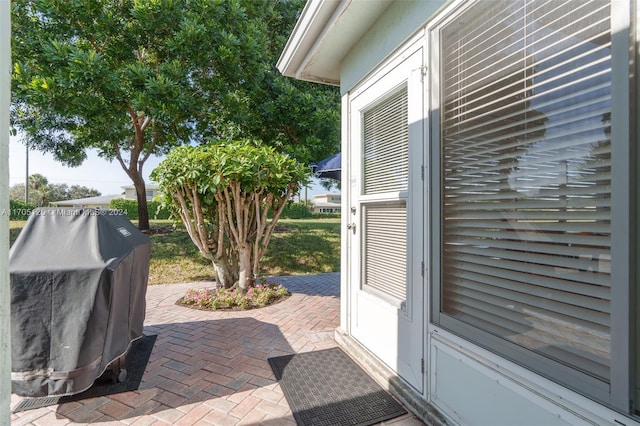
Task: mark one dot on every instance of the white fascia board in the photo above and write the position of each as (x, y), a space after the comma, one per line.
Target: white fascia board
(324, 34)
(315, 22)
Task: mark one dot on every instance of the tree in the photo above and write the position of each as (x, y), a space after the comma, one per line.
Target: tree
(37, 188)
(38, 182)
(62, 192)
(78, 191)
(223, 193)
(298, 117)
(42, 192)
(117, 75)
(57, 192)
(135, 78)
(16, 192)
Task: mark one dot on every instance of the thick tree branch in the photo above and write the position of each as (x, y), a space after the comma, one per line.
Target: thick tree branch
(230, 222)
(274, 219)
(189, 222)
(145, 122)
(120, 159)
(152, 146)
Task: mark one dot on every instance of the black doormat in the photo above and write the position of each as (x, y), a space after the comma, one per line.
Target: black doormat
(328, 388)
(136, 362)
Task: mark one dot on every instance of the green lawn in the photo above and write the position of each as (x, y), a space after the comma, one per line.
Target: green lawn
(302, 246)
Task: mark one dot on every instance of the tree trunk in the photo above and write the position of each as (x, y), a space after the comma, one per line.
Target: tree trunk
(245, 276)
(141, 195)
(224, 275)
(134, 168)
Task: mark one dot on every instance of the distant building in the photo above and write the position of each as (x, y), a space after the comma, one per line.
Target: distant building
(100, 202)
(103, 201)
(130, 191)
(327, 203)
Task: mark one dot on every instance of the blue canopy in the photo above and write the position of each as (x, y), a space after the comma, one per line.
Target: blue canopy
(329, 168)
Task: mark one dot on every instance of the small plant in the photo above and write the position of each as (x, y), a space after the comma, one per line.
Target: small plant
(258, 296)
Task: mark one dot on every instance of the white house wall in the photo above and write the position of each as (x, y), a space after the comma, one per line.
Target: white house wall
(473, 386)
(466, 383)
(400, 21)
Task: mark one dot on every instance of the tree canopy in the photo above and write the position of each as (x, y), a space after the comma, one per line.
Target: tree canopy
(41, 192)
(229, 196)
(136, 78)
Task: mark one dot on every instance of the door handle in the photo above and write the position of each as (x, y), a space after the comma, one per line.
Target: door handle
(352, 227)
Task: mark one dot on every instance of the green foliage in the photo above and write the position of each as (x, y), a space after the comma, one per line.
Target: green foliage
(41, 192)
(325, 215)
(214, 167)
(74, 192)
(38, 190)
(156, 210)
(19, 210)
(129, 207)
(134, 78)
(298, 117)
(222, 193)
(296, 211)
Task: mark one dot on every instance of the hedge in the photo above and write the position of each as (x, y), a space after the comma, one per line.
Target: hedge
(130, 207)
(19, 210)
(156, 211)
(302, 211)
(296, 211)
(325, 215)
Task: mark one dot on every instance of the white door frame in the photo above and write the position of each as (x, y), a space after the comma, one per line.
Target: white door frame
(395, 334)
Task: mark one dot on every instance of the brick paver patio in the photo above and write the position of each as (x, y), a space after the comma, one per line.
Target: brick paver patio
(211, 368)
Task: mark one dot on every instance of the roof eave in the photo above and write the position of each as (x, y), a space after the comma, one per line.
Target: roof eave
(317, 19)
(326, 31)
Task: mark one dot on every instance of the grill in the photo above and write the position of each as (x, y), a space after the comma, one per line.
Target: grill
(78, 286)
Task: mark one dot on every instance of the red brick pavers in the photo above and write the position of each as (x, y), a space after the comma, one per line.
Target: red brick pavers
(211, 368)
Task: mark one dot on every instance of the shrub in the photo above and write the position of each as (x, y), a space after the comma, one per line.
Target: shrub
(130, 207)
(223, 192)
(325, 215)
(19, 210)
(296, 211)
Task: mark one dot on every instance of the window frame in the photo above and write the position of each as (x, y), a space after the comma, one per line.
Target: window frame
(618, 392)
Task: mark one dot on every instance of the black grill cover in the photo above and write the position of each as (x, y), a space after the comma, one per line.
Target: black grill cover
(78, 286)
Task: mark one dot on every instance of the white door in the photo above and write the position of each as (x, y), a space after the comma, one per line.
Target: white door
(385, 231)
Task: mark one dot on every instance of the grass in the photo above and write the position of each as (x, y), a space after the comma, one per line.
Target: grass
(301, 246)
(15, 226)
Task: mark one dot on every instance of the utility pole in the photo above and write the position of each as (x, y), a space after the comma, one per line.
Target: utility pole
(26, 178)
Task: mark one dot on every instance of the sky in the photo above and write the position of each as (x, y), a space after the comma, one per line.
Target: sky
(95, 172)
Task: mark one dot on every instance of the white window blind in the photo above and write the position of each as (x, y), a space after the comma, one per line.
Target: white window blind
(385, 142)
(385, 256)
(386, 137)
(526, 176)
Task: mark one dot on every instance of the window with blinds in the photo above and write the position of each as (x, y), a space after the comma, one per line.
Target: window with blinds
(386, 147)
(385, 140)
(385, 240)
(526, 176)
